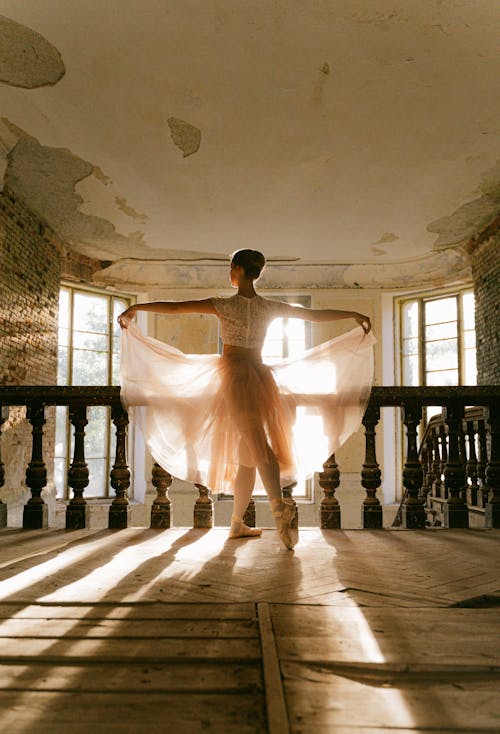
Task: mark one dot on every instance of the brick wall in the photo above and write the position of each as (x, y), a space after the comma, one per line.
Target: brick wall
(29, 287)
(486, 273)
(29, 292)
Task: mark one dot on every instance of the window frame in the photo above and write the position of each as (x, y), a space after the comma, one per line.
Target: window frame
(422, 297)
(110, 295)
(399, 300)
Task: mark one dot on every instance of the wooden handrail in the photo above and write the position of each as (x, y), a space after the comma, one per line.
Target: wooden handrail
(453, 399)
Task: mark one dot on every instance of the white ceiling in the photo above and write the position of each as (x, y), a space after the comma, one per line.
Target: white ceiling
(331, 131)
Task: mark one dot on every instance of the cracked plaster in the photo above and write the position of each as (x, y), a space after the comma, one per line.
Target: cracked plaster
(27, 59)
(318, 159)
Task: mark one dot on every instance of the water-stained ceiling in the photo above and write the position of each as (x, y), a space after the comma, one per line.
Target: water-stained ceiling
(325, 131)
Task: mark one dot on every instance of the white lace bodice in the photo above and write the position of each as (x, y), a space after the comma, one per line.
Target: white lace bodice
(244, 321)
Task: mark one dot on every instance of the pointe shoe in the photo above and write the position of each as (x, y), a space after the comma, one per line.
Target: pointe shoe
(284, 523)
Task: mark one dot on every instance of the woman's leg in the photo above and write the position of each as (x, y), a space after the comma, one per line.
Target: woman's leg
(243, 488)
(283, 512)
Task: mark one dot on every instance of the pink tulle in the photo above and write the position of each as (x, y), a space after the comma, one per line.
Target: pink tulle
(195, 409)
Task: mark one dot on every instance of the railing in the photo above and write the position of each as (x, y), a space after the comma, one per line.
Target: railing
(473, 443)
(450, 477)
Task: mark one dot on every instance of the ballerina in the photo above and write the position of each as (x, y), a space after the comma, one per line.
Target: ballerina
(219, 419)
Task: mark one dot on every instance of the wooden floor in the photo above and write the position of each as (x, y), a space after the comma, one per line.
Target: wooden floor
(184, 630)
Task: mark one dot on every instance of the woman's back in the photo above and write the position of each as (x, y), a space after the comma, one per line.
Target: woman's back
(244, 321)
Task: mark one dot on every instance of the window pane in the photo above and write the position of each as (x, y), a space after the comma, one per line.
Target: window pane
(445, 377)
(295, 329)
(410, 346)
(62, 366)
(431, 410)
(441, 355)
(95, 434)
(468, 310)
(296, 347)
(85, 340)
(60, 477)
(90, 313)
(119, 305)
(410, 319)
(470, 370)
(441, 331)
(61, 431)
(442, 309)
(64, 308)
(97, 478)
(89, 368)
(63, 337)
(115, 370)
(275, 329)
(112, 444)
(410, 371)
(272, 348)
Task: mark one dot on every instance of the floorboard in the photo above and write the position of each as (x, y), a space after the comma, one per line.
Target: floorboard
(183, 630)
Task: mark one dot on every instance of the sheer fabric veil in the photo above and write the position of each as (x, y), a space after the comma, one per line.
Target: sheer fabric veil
(182, 404)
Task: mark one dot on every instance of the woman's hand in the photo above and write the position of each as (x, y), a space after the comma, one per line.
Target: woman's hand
(126, 316)
(363, 321)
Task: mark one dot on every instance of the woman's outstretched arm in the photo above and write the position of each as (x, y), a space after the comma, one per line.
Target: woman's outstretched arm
(328, 314)
(204, 305)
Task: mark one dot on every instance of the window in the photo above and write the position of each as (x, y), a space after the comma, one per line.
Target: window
(88, 354)
(287, 337)
(438, 341)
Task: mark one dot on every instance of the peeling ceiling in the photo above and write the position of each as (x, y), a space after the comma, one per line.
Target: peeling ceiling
(321, 132)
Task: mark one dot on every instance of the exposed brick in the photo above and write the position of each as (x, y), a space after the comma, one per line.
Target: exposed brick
(485, 272)
(29, 286)
(29, 293)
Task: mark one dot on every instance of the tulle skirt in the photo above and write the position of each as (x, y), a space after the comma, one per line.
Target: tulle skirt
(202, 415)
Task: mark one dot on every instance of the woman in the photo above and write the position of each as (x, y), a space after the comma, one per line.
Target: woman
(218, 419)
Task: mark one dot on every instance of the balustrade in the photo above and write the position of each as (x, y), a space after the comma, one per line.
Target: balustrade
(77, 515)
(454, 472)
(160, 509)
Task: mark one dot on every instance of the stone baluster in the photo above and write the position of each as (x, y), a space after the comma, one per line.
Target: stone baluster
(492, 509)
(119, 512)
(161, 507)
(78, 511)
(436, 464)
(413, 510)
(471, 465)
(481, 462)
(462, 456)
(287, 494)
(4, 413)
(249, 515)
(35, 514)
(444, 456)
(455, 512)
(428, 465)
(423, 456)
(329, 480)
(203, 516)
(371, 510)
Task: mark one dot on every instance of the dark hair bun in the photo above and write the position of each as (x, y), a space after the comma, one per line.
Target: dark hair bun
(252, 262)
